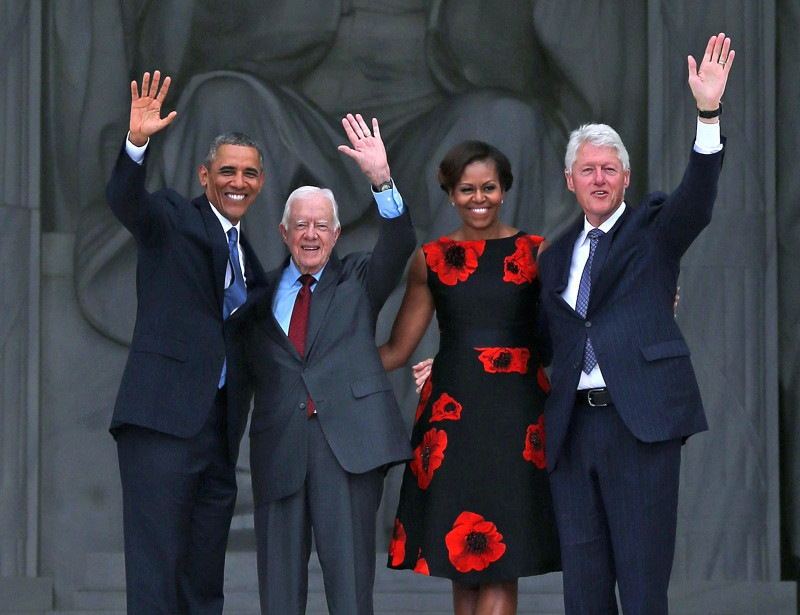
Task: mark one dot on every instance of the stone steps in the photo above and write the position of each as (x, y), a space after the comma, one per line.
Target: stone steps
(396, 593)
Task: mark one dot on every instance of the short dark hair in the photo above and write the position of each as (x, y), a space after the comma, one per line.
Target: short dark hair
(461, 155)
(232, 138)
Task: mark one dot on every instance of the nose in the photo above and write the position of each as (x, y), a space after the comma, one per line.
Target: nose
(479, 196)
(238, 180)
(597, 176)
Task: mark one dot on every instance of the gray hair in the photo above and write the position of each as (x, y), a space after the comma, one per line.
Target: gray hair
(232, 138)
(306, 191)
(599, 135)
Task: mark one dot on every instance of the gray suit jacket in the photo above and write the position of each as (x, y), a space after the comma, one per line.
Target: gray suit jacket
(341, 370)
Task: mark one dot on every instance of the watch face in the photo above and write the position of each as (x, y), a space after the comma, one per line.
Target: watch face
(384, 186)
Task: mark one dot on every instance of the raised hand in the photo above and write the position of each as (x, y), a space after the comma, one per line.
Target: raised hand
(367, 148)
(708, 81)
(146, 117)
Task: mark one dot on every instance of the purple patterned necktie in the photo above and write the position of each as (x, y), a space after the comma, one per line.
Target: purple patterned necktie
(582, 303)
(236, 293)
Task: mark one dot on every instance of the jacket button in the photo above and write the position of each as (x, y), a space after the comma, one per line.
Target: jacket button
(588, 323)
(576, 366)
(302, 405)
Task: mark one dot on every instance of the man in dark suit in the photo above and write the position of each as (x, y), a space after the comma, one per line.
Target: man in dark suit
(176, 442)
(325, 422)
(624, 394)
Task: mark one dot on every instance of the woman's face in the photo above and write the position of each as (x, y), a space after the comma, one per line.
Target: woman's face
(478, 195)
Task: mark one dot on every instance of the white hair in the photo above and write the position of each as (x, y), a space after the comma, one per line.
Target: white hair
(306, 191)
(599, 135)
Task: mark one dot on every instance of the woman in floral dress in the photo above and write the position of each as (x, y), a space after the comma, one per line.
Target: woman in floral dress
(475, 503)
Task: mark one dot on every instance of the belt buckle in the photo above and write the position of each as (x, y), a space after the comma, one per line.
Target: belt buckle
(589, 398)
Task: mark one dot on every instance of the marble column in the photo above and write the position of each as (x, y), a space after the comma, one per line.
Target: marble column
(20, 86)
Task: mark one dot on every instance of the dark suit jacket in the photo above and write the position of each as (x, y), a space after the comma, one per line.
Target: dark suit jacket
(640, 349)
(178, 346)
(341, 370)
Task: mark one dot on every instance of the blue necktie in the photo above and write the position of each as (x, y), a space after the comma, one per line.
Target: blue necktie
(582, 303)
(236, 292)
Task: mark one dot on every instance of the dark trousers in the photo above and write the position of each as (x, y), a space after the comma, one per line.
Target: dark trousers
(616, 502)
(341, 508)
(178, 497)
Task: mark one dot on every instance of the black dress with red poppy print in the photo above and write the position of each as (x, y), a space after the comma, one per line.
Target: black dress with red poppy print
(475, 503)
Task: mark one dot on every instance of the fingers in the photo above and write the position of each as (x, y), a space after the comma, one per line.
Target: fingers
(348, 122)
(707, 56)
(151, 90)
(692, 67)
(729, 60)
(162, 94)
(357, 129)
(145, 85)
(719, 50)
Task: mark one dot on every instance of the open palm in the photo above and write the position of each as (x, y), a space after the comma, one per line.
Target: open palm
(146, 117)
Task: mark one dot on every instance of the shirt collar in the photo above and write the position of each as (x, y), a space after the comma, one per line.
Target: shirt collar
(292, 273)
(605, 226)
(226, 224)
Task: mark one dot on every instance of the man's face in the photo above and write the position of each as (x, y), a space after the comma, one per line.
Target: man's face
(309, 232)
(233, 181)
(598, 181)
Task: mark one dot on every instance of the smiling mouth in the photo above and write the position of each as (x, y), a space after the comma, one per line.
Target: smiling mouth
(479, 210)
(309, 248)
(235, 197)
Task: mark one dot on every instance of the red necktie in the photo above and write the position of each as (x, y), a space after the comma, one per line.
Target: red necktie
(298, 325)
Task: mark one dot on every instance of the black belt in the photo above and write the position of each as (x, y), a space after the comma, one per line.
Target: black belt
(594, 397)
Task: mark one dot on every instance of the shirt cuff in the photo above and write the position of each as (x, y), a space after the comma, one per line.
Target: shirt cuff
(390, 203)
(708, 139)
(135, 152)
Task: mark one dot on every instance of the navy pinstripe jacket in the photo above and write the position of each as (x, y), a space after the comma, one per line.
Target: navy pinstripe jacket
(643, 355)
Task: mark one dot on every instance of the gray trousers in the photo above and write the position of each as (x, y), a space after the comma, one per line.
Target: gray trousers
(340, 508)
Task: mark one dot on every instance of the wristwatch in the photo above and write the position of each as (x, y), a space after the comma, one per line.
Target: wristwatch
(383, 186)
(707, 115)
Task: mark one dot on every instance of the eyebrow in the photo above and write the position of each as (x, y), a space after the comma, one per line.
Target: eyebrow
(230, 167)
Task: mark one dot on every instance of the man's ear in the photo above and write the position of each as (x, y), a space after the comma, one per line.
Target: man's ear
(570, 185)
(202, 173)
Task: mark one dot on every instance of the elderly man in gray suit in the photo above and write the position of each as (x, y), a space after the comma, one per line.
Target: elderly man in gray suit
(325, 423)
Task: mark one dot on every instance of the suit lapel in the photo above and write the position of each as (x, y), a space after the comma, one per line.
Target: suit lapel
(252, 268)
(321, 298)
(219, 245)
(268, 321)
(564, 256)
(602, 275)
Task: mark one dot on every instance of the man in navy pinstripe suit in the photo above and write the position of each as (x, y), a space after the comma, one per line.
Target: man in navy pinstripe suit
(624, 393)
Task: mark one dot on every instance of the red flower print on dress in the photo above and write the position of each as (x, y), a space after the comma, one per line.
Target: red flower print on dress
(504, 360)
(473, 543)
(453, 261)
(397, 545)
(534, 444)
(424, 396)
(520, 267)
(421, 567)
(446, 409)
(428, 456)
(541, 378)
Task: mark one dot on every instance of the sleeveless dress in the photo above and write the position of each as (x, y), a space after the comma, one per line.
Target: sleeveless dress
(475, 502)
